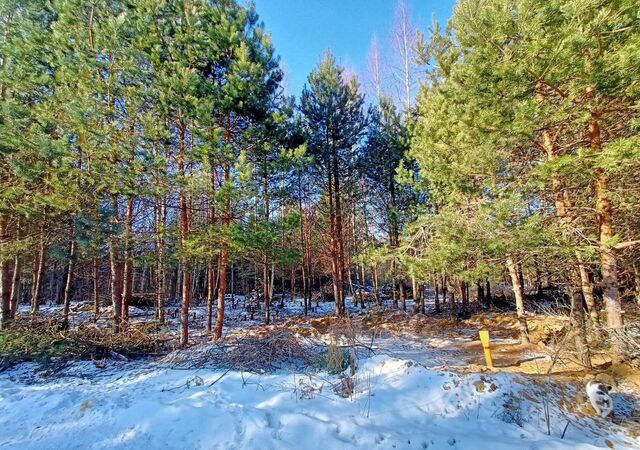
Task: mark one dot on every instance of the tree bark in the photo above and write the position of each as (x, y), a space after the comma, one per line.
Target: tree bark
(161, 277)
(116, 271)
(564, 207)
(127, 290)
(587, 291)
(444, 290)
(337, 262)
(480, 292)
(577, 319)
(5, 281)
(68, 287)
(376, 286)
(266, 289)
(38, 272)
(636, 279)
(184, 236)
(363, 275)
(303, 249)
(212, 286)
(224, 254)
(518, 292)
(414, 291)
(608, 259)
(338, 236)
(15, 287)
(95, 266)
(465, 298)
(488, 292)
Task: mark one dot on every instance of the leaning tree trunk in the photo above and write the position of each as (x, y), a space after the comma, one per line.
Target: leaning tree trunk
(518, 292)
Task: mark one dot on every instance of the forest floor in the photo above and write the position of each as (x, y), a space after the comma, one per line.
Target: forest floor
(382, 379)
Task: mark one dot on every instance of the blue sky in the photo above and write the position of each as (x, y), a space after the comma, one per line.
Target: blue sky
(302, 30)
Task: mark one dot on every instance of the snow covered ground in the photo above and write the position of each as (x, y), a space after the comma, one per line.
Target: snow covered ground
(395, 404)
(402, 396)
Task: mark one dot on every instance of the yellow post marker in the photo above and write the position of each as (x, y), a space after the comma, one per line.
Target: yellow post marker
(486, 345)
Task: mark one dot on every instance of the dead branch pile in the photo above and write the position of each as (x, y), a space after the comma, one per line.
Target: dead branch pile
(630, 335)
(261, 351)
(86, 341)
(134, 340)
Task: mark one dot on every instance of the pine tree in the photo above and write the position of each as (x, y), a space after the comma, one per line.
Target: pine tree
(334, 120)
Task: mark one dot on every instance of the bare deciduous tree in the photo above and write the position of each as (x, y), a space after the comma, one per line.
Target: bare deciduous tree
(403, 69)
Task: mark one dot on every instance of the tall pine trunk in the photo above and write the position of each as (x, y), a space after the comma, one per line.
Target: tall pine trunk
(212, 286)
(212, 279)
(5, 280)
(15, 287)
(95, 266)
(38, 272)
(303, 249)
(444, 290)
(587, 290)
(127, 290)
(116, 266)
(224, 250)
(608, 259)
(161, 276)
(266, 264)
(184, 236)
(339, 242)
(337, 287)
(68, 286)
(564, 212)
(577, 321)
